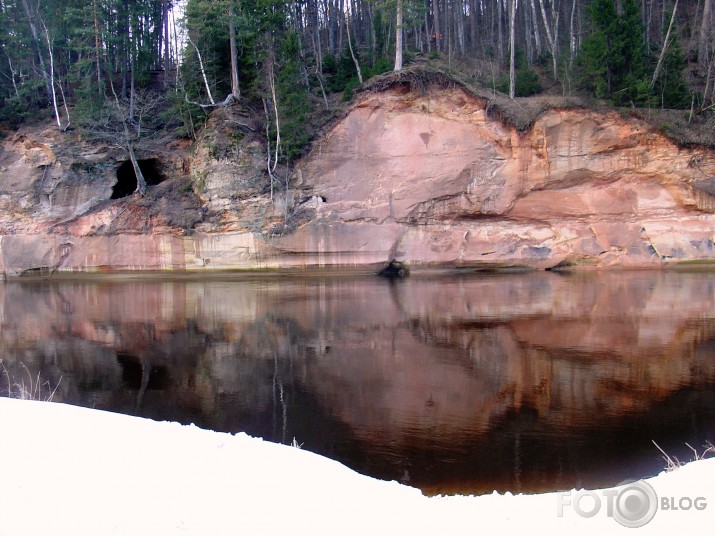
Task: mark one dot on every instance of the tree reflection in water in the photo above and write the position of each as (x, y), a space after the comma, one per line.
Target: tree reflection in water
(521, 382)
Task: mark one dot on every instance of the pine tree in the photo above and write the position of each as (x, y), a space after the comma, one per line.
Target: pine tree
(631, 85)
(293, 99)
(612, 59)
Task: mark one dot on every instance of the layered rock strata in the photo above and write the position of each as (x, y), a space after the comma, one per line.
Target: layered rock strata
(424, 177)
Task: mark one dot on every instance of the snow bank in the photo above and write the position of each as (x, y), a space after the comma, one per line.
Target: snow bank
(74, 471)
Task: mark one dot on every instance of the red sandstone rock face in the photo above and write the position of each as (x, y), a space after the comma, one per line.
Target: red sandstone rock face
(459, 188)
(423, 177)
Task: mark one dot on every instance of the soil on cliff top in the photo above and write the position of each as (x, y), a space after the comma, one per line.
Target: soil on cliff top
(684, 127)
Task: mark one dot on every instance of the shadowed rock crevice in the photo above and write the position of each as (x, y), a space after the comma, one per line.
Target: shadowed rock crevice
(127, 179)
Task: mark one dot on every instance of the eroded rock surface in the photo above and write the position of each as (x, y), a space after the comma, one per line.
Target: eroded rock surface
(454, 186)
(425, 177)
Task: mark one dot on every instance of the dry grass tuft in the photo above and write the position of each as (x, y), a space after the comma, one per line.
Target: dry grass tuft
(32, 388)
(673, 463)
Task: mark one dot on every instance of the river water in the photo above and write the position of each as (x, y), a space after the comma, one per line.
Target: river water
(453, 384)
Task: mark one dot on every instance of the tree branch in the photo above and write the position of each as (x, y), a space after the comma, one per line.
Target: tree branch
(228, 100)
(665, 47)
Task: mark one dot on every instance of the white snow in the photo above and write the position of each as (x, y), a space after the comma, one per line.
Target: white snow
(67, 470)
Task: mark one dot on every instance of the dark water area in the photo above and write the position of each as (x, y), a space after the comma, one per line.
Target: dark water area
(463, 384)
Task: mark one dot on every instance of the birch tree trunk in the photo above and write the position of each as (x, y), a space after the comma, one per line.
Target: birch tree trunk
(665, 47)
(97, 48)
(53, 94)
(398, 38)
(132, 94)
(350, 46)
(13, 73)
(552, 37)
(461, 30)
(203, 71)
(500, 29)
(271, 167)
(528, 35)
(473, 23)
(330, 13)
(167, 47)
(572, 35)
(427, 31)
(126, 59)
(706, 30)
(537, 32)
(512, 31)
(436, 26)
(235, 89)
(36, 40)
(340, 27)
(709, 86)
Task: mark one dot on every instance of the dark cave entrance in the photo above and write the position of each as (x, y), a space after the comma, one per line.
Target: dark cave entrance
(127, 179)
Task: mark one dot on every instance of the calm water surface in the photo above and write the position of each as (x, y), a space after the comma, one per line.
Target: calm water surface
(519, 382)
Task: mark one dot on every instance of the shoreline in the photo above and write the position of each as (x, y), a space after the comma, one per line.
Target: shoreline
(368, 270)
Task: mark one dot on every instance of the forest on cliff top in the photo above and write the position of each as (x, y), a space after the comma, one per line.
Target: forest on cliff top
(127, 68)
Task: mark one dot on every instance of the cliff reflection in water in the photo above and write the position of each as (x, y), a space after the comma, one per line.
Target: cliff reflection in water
(526, 382)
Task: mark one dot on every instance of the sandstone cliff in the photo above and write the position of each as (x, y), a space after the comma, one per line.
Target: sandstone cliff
(422, 173)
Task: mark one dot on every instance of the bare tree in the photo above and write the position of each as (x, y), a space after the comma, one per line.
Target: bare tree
(31, 17)
(436, 26)
(665, 47)
(53, 93)
(537, 33)
(235, 93)
(13, 73)
(203, 70)
(572, 35)
(97, 47)
(271, 166)
(350, 46)
(552, 33)
(125, 128)
(167, 54)
(512, 23)
(709, 86)
(235, 89)
(398, 38)
(706, 30)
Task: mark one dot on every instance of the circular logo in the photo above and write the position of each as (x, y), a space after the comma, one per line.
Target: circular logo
(635, 505)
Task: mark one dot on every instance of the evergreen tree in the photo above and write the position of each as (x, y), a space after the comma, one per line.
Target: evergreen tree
(526, 81)
(76, 52)
(612, 59)
(631, 85)
(293, 99)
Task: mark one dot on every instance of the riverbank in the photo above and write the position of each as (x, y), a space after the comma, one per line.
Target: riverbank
(336, 272)
(70, 470)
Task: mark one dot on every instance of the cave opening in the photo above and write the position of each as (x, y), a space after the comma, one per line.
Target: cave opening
(127, 180)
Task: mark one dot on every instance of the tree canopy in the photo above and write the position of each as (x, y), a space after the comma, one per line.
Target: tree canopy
(73, 58)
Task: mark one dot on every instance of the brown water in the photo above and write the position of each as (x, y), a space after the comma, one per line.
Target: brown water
(520, 382)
